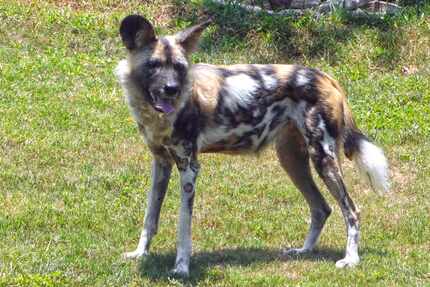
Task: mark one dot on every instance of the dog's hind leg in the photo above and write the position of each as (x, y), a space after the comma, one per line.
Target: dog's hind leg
(324, 153)
(294, 158)
(160, 178)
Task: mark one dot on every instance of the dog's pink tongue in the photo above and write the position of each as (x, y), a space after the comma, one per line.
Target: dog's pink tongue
(164, 107)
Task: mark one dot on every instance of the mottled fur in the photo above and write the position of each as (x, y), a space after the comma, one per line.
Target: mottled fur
(183, 110)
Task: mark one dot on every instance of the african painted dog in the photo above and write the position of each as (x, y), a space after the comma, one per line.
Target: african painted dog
(183, 110)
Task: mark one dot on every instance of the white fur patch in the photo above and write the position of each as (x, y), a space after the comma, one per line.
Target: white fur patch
(302, 79)
(122, 71)
(328, 143)
(241, 89)
(373, 165)
(217, 134)
(210, 136)
(171, 40)
(270, 82)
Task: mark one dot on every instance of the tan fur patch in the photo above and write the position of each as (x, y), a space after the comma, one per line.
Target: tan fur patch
(333, 97)
(160, 50)
(136, 59)
(157, 51)
(205, 89)
(292, 154)
(282, 73)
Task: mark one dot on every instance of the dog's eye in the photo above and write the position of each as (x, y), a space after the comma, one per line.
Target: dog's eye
(179, 67)
(153, 64)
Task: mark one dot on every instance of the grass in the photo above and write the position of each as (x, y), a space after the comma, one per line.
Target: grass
(73, 169)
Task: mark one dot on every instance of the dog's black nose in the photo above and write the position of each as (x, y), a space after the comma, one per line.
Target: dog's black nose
(171, 89)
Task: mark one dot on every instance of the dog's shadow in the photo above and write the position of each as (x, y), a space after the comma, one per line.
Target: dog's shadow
(157, 267)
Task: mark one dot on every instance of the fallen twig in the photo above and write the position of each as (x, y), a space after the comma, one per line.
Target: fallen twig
(257, 9)
(300, 7)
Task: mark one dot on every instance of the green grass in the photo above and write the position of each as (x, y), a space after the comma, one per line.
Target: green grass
(73, 169)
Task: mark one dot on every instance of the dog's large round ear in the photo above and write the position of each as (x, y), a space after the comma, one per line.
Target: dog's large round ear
(136, 32)
(189, 37)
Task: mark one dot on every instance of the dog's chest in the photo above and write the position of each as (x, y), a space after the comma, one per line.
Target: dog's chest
(155, 129)
(156, 134)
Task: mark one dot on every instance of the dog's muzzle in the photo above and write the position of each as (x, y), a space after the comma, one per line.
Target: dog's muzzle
(163, 106)
(163, 102)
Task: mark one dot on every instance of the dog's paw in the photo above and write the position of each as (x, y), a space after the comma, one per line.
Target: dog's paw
(134, 254)
(295, 251)
(350, 261)
(180, 272)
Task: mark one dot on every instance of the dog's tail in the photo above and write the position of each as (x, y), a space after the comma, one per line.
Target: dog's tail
(369, 158)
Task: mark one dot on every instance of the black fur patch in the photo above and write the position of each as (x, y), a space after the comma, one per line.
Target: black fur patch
(225, 73)
(352, 139)
(278, 112)
(189, 124)
(191, 203)
(308, 92)
(331, 125)
(129, 28)
(188, 187)
(142, 78)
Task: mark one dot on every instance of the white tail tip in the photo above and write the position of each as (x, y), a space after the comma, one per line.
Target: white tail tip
(373, 165)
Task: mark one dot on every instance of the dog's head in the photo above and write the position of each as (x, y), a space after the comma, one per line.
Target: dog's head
(159, 65)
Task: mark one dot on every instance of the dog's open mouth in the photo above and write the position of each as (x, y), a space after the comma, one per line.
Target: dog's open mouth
(164, 106)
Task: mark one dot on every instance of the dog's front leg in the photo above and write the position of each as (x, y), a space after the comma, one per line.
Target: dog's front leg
(161, 170)
(188, 169)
